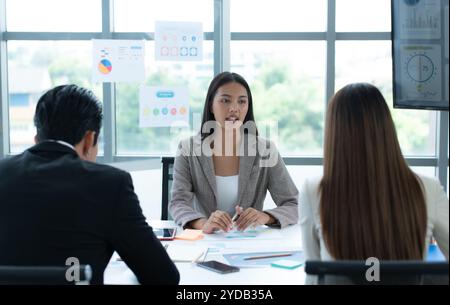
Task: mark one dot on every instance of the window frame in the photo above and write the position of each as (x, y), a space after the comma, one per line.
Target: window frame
(221, 37)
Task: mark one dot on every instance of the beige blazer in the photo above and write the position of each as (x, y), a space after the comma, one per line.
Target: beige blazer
(194, 192)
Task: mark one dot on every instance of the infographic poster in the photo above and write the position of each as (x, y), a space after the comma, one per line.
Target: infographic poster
(118, 60)
(178, 41)
(163, 106)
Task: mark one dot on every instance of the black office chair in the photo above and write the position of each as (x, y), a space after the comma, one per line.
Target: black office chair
(391, 272)
(42, 275)
(167, 178)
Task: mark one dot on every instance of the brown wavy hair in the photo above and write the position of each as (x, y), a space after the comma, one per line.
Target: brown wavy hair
(372, 204)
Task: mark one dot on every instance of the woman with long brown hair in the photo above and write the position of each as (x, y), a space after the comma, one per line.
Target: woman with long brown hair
(211, 184)
(369, 203)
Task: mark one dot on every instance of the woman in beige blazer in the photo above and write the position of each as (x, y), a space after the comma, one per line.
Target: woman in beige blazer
(227, 168)
(368, 203)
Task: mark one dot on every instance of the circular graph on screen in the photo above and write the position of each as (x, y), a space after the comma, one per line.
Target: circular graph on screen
(420, 68)
(105, 66)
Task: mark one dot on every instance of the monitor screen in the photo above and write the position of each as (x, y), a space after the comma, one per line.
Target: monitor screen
(420, 54)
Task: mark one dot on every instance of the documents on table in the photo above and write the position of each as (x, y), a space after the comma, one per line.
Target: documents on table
(185, 252)
(262, 259)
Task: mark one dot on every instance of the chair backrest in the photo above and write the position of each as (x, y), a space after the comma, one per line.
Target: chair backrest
(390, 272)
(167, 177)
(44, 275)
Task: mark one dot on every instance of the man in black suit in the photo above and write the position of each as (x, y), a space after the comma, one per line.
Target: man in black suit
(56, 203)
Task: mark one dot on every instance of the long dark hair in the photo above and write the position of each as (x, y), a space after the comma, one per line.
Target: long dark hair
(372, 204)
(218, 81)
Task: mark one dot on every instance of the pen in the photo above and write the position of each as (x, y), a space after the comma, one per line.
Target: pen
(235, 217)
(206, 254)
(198, 258)
(267, 256)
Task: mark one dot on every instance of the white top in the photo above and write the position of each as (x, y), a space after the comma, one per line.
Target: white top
(227, 193)
(309, 215)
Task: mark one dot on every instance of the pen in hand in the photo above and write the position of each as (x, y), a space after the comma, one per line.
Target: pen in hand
(237, 214)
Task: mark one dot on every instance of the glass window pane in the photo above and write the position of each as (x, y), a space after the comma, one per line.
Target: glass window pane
(287, 79)
(133, 140)
(299, 173)
(140, 15)
(54, 16)
(363, 16)
(371, 61)
(33, 68)
(278, 16)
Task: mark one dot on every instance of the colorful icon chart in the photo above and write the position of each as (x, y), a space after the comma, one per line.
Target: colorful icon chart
(118, 60)
(163, 106)
(181, 41)
(421, 74)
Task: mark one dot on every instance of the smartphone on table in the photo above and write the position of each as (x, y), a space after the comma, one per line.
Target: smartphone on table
(218, 267)
(165, 233)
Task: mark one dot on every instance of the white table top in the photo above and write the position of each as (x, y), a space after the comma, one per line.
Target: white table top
(190, 274)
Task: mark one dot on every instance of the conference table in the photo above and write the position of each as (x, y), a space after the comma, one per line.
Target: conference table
(216, 245)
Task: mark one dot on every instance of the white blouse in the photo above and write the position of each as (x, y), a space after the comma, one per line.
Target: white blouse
(227, 193)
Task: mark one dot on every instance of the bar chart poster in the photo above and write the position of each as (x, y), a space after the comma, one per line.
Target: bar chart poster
(178, 41)
(420, 54)
(163, 106)
(420, 19)
(118, 60)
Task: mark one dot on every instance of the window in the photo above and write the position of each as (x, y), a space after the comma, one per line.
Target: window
(133, 140)
(370, 61)
(54, 16)
(363, 15)
(36, 66)
(281, 48)
(278, 16)
(140, 15)
(287, 79)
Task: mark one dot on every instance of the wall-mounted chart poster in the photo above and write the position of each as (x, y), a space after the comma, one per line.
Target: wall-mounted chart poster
(178, 41)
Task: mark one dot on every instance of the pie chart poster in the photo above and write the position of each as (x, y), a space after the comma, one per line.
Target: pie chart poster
(118, 60)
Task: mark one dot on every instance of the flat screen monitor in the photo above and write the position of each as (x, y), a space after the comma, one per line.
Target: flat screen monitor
(420, 54)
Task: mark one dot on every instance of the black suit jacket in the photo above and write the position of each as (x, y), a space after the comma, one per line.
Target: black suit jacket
(54, 205)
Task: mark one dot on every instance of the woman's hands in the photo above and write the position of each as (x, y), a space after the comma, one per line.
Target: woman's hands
(219, 220)
(251, 217)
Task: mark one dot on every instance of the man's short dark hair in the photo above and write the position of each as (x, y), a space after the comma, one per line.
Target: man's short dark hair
(66, 113)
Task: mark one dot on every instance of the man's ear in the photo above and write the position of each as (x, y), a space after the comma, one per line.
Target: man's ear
(89, 139)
